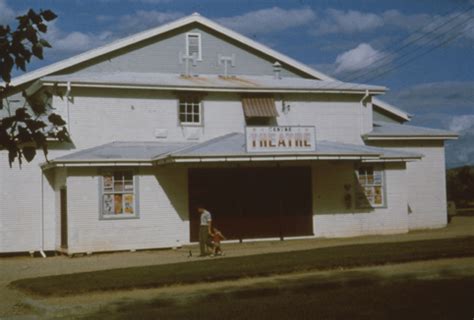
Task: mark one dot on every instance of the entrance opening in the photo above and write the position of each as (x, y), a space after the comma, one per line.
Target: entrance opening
(63, 209)
(248, 203)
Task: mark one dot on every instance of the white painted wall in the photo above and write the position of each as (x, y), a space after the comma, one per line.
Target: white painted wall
(22, 211)
(332, 219)
(98, 117)
(426, 182)
(163, 210)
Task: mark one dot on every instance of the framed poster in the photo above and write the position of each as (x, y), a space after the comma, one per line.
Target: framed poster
(108, 203)
(118, 203)
(108, 183)
(128, 203)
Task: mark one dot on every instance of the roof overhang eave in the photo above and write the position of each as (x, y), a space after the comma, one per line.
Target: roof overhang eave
(392, 110)
(262, 157)
(375, 91)
(409, 137)
(95, 163)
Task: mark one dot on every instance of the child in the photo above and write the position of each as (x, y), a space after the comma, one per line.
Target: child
(217, 237)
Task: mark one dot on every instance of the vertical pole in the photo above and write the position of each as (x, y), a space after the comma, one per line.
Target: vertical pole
(280, 203)
(239, 196)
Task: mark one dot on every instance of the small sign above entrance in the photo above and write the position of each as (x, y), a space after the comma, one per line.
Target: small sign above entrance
(280, 139)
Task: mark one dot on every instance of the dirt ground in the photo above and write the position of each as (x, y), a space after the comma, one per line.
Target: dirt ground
(14, 304)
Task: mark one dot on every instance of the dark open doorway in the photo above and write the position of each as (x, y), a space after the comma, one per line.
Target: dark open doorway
(251, 203)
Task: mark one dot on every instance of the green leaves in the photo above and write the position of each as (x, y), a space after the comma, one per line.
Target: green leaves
(29, 153)
(44, 43)
(48, 15)
(18, 46)
(56, 120)
(37, 50)
(23, 132)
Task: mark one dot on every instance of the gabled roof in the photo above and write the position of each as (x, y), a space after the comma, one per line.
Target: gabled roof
(208, 82)
(398, 113)
(391, 131)
(144, 35)
(194, 18)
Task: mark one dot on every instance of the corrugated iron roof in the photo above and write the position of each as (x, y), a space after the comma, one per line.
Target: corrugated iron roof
(121, 151)
(387, 129)
(233, 144)
(203, 82)
(230, 146)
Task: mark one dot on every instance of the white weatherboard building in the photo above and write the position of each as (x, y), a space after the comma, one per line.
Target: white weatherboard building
(192, 112)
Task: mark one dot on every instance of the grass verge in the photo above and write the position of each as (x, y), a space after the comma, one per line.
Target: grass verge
(358, 297)
(211, 270)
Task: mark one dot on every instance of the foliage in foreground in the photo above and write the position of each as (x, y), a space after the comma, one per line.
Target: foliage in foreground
(25, 129)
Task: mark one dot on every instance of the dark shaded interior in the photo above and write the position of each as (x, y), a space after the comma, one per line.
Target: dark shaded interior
(248, 203)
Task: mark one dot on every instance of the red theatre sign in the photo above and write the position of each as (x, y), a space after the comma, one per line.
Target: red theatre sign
(280, 139)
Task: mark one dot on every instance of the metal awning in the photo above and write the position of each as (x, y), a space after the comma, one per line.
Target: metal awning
(259, 107)
(228, 148)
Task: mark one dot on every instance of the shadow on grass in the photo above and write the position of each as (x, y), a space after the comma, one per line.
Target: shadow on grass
(247, 266)
(360, 295)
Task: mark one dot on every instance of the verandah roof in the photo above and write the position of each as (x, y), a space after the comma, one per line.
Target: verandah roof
(227, 148)
(390, 131)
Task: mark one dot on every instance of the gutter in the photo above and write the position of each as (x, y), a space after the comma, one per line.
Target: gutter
(198, 159)
(366, 95)
(68, 93)
(42, 217)
(374, 138)
(213, 89)
(95, 163)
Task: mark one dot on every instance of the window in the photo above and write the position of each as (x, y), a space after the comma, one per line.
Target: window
(371, 187)
(193, 45)
(190, 110)
(119, 195)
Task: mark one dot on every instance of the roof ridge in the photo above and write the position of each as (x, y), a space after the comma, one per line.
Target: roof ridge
(155, 31)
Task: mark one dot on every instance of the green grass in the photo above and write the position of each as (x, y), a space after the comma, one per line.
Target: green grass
(211, 270)
(362, 297)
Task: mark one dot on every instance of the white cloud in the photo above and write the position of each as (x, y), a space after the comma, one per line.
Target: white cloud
(447, 96)
(142, 20)
(348, 22)
(7, 14)
(338, 21)
(74, 42)
(361, 57)
(462, 123)
(268, 20)
(406, 21)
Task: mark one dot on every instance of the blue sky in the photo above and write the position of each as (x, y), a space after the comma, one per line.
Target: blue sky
(350, 40)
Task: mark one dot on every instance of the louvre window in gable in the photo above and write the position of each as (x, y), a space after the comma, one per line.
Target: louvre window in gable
(193, 45)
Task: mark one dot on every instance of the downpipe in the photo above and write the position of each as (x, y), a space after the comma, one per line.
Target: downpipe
(41, 251)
